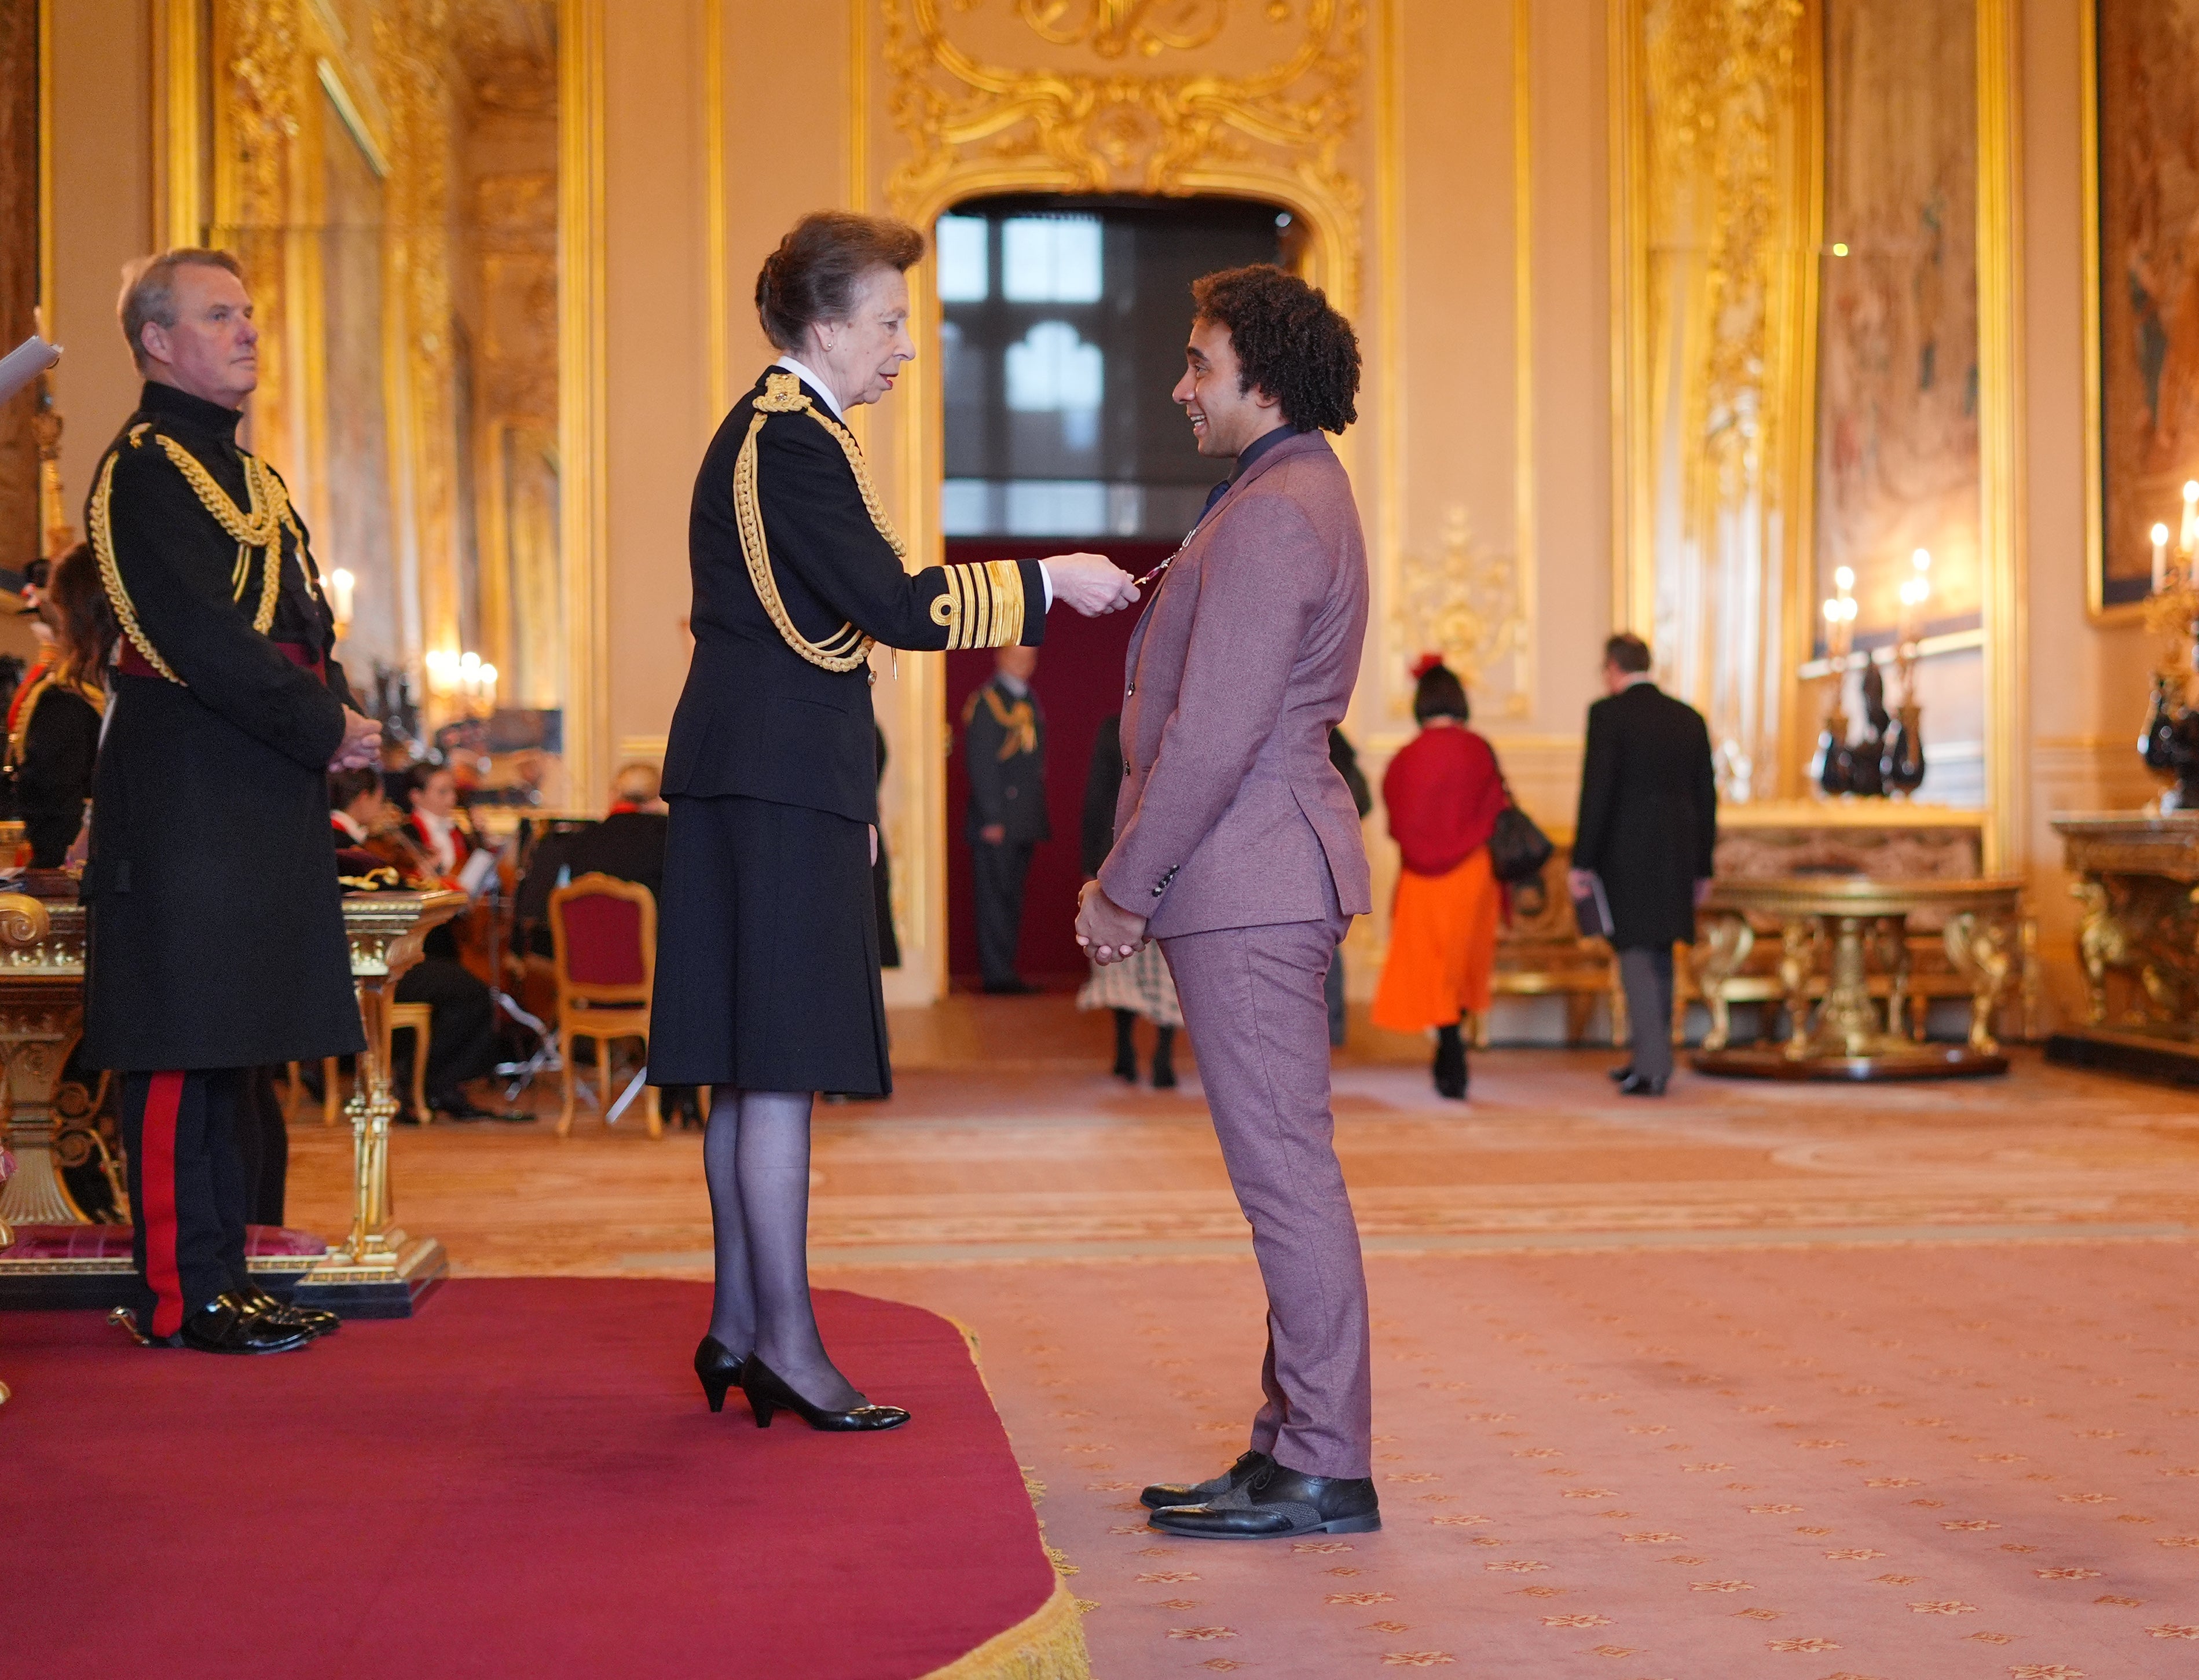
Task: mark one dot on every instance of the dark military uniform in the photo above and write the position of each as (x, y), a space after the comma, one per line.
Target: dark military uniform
(1004, 747)
(53, 738)
(768, 941)
(217, 941)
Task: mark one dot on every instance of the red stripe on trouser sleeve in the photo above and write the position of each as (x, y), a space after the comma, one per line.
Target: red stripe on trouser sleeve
(164, 1096)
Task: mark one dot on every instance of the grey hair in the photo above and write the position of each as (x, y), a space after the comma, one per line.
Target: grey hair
(149, 291)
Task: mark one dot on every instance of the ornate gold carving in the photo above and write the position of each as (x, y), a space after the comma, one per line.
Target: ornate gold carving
(972, 123)
(1468, 606)
(1113, 27)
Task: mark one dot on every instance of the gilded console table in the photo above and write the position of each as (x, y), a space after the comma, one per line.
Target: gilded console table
(2138, 941)
(1849, 923)
(375, 1269)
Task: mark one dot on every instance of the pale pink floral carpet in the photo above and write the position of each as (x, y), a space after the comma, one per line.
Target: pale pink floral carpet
(1936, 1463)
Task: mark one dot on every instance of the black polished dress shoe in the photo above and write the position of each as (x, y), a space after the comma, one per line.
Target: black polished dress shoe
(227, 1325)
(1162, 1495)
(768, 1393)
(720, 1368)
(457, 1105)
(1619, 1075)
(315, 1322)
(1277, 1504)
(1640, 1085)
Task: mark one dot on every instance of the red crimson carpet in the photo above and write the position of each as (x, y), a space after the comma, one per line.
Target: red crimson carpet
(522, 1481)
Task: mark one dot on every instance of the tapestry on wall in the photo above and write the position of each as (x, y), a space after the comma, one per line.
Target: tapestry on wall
(2148, 281)
(1898, 461)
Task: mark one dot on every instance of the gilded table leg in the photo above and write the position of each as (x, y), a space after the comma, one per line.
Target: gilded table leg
(371, 1107)
(38, 1021)
(1799, 940)
(1726, 944)
(1847, 1022)
(1891, 935)
(1979, 947)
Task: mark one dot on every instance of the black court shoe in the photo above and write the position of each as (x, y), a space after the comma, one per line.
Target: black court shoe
(768, 1393)
(1162, 1495)
(720, 1368)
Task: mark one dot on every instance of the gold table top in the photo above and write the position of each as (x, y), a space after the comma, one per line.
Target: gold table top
(43, 938)
(1859, 895)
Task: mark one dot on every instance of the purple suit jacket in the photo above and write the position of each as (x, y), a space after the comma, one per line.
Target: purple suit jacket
(1231, 813)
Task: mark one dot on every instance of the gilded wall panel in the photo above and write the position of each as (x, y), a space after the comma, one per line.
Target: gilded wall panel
(20, 537)
(1718, 200)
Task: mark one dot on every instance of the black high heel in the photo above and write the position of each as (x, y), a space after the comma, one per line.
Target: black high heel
(768, 1392)
(720, 1370)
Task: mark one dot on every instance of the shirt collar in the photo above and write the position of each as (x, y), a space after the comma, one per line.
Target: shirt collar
(1636, 680)
(1253, 451)
(344, 820)
(811, 378)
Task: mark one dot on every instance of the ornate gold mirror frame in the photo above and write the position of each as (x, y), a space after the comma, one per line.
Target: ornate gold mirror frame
(1768, 244)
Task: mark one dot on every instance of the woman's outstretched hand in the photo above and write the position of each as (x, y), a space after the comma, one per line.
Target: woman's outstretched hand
(1091, 583)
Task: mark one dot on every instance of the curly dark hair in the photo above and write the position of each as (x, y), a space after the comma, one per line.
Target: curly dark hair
(1289, 342)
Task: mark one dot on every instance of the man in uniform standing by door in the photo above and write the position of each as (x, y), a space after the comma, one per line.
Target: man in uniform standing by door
(217, 941)
(1004, 744)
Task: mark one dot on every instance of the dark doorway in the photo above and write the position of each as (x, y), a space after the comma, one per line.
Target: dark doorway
(1062, 329)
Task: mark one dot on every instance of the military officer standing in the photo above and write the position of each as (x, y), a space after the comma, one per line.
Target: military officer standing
(217, 941)
(1004, 744)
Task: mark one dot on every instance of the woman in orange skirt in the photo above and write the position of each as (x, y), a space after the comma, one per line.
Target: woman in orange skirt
(1443, 792)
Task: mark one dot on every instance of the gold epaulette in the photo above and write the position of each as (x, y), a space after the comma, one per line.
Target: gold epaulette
(983, 605)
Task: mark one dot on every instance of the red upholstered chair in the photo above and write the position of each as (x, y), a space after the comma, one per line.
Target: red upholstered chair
(603, 933)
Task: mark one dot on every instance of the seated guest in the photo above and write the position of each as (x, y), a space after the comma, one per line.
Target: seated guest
(52, 721)
(628, 843)
(462, 1015)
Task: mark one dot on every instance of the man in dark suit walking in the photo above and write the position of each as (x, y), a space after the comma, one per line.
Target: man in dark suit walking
(1648, 819)
(1004, 744)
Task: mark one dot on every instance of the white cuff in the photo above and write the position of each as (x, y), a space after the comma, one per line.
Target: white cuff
(1047, 578)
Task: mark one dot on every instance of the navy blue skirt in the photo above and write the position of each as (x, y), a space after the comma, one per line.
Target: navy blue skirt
(767, 951)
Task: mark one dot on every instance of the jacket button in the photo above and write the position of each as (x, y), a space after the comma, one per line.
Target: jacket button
(1130, 691)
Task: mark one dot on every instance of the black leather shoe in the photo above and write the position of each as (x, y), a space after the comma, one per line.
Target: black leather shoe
(720, 1369)
(1277, 1504)
(768, 1393)
(1640, 1085)
(226, 1324)
(315, 1322)
(1451, 1068)
(1619, 1075)
(1163, 1073)
(1162, 1495)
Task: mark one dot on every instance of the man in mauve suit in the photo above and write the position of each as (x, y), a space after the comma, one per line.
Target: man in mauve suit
(1238, 847)
(1648, 821)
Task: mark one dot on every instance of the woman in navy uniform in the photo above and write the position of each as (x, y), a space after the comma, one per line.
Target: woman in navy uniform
(767, 946)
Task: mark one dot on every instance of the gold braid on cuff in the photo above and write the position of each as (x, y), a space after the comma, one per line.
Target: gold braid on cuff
(983, 605)
(847, 647)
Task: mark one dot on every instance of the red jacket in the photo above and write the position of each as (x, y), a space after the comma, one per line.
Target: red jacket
(1443, 791)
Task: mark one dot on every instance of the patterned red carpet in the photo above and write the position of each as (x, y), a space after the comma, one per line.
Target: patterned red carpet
(1898, 1463)
(522, 1481)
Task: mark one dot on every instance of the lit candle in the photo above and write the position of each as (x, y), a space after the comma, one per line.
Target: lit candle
(488, 686)
(2160, 558)
(469, 665)
(341, 585)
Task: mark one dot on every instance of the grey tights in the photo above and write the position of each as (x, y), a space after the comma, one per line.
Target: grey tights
(756, 1155)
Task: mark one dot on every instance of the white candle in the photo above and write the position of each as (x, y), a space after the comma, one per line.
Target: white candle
(488, 686)
(2160, 558)
(2188, 539)
(341, 585)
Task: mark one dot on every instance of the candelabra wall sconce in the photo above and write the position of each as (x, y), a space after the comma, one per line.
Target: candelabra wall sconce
(464, 686)
(1889, 757)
